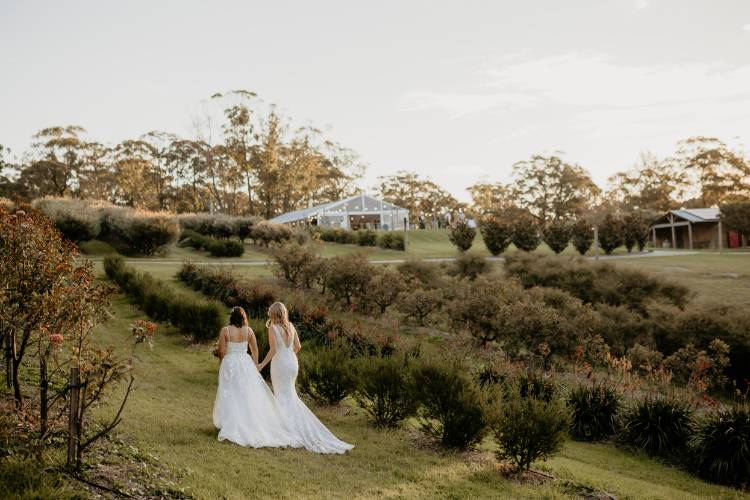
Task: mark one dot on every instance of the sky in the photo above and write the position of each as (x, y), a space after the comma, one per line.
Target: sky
(457, 91)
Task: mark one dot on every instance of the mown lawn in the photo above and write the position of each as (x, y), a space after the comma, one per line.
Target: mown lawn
(169, 414)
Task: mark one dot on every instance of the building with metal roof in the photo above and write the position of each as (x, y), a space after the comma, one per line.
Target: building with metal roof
(693, 228)
(359, 211)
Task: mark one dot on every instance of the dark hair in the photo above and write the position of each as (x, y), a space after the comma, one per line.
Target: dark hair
(238, 317)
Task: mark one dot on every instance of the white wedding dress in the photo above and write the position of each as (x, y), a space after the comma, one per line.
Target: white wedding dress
(297, 416)
(245, 410)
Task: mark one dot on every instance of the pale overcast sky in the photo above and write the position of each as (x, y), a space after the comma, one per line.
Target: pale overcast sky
(454, 90)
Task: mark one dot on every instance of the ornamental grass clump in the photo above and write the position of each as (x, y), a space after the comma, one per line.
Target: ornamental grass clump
(594, 410)
(657, 426)
(720, 446)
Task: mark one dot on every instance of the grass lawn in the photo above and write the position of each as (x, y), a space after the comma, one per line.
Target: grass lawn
(715, 278)
(169, 415)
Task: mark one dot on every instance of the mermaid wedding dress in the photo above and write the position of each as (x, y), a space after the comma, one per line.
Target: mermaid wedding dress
(245, 410)
(313, 435)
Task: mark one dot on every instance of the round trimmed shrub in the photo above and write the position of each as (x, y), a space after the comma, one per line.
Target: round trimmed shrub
(557, 235)
(526, 233)
(658, 426)
(594, 412)
(582, 236)
(610, 233)
(496, 233)
(367, 238)
(462, 236)
(328, 374)
(384, 390)
(450, 403)
(721, 446)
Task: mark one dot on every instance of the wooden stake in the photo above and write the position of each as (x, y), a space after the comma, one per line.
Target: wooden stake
(75, 391)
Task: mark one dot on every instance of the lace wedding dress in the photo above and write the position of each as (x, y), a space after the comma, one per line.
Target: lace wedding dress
(298, 417)
(245, 410)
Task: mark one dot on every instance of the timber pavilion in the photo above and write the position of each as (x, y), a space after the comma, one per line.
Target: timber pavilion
(694, 228)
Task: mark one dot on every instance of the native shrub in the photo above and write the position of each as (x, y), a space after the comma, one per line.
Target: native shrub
(393, 240)
(533, 384)
(384, 287)
(328, 374)
(419, 303)
(496, 233)
(720, 446)
(292, 262)
(462, 236)
(594, 411)
(528, 429)
(595, 282)
(451, 407)
(348, 277)
(420, 273)
(217, 247)
(385, 389)
(658, 426)
(557, 235)
(470, 266)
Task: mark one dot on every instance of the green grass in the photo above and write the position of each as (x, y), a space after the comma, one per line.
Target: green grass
(714, 278)
(169, 414)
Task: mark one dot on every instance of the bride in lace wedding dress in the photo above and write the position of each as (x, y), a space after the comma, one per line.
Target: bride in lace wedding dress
(284, 345)
(245, 410)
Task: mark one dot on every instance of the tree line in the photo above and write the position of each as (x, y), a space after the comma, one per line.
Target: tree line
(250, 160)
(247, 159)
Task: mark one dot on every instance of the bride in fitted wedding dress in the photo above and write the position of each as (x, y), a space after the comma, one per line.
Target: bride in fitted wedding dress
(283, 347)
(245, 410)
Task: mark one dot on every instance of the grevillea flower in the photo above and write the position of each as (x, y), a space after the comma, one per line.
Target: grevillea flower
(56, 339)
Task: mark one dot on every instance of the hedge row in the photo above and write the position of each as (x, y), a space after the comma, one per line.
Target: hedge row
(218, 225)
(393, 240)
(217, 247)
(312, 320)
(129, 230)
(202, 319)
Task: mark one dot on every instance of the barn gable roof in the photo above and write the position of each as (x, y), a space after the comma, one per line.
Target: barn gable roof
(694, 215)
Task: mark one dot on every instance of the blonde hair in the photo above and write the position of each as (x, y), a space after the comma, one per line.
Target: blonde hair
(278, 315)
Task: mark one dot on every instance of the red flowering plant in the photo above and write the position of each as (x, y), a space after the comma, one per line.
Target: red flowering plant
(143, 332)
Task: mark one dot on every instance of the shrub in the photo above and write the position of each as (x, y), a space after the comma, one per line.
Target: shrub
(420, 272)
(582, 236)
(328, 374)
(720, 446)
(557, 235)
(450, 404)
(470, 266)
(610, 233)
(529, 429)
(367, 238)
(525, 233)
(657, 426)
(293, 262)
(147, 234)
(532, 384)
(264, 233)
(595, 283)
(594, 411)
(385, 390)
(643, 358)
(462, 236)
(217, 248)
(348, 276)
(200, 318)
(77, 220)
(496, 233)
(689, 364)
(384, 287)
(634, 231)
(77, 229)
(393, 240)
(419, 303)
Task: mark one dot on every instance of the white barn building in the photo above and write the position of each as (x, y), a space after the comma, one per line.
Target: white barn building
(359, 211)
